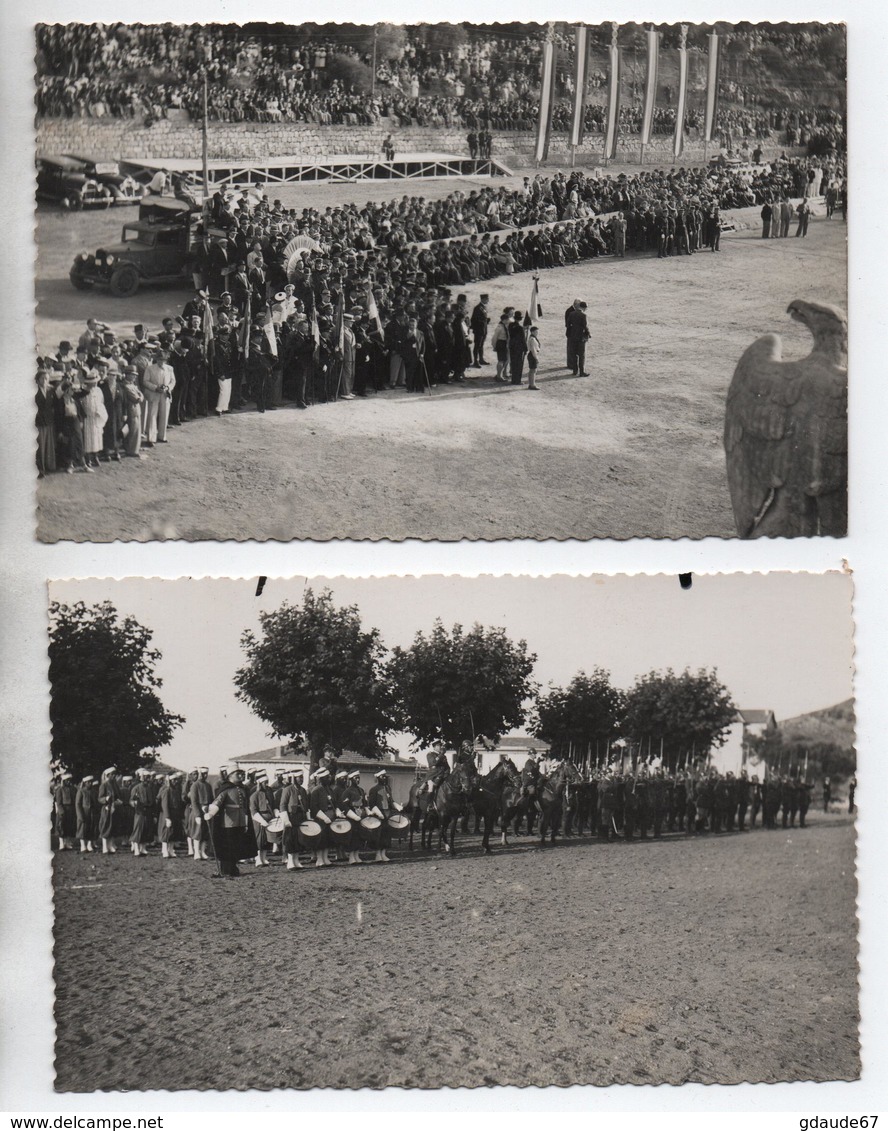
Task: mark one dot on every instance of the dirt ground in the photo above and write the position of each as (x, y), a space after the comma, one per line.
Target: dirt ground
(633, 450)
(718, 959)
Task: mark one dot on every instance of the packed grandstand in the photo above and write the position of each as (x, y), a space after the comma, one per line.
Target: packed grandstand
(783, 83)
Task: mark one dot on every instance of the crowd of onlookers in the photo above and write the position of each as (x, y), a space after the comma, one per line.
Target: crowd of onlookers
(487, 81)
(363, 300)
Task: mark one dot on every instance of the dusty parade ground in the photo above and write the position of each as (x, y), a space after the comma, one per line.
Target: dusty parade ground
(719, 959)
(633, 450)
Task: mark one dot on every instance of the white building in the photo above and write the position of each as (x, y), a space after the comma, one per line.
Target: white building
(734, 755)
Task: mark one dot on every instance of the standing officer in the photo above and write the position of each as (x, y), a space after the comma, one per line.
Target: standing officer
(231, 835)
(577, 331)
(480, 320)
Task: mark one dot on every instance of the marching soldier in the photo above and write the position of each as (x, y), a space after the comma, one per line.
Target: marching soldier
(293, 805)
(200, 795)
(86, 806)
(755, 800)
(109, 802)
(65, 810)
(262, 811)
(804, 801)
(380, 803)
(230, 834)
(322, 810)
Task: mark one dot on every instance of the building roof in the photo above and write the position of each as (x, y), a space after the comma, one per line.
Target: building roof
(287, 754)
(753, 716)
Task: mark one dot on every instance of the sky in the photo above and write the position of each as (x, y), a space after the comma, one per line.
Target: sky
(781, 640)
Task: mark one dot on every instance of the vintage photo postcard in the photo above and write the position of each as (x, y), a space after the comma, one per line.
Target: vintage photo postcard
(453, 832)
(379, 237)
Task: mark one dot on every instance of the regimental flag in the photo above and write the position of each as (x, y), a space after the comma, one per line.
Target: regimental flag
(373, 309)
(547, 102)
(612, 120)
(315, 332)
(651, 77)
(581, 77)
(682, 106)
(207, 328)
(713, 69)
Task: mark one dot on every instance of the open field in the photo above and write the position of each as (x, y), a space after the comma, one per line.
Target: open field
(718, 959)
(633, 450)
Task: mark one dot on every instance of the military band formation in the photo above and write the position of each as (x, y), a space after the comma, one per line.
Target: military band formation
(237, 817)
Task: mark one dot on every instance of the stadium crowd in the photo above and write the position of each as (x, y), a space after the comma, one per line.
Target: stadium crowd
(315, 306)
(487, 81)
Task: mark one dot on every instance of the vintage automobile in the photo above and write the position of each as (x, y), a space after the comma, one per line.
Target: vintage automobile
(67, 181)
(163, 246)
(124, 189)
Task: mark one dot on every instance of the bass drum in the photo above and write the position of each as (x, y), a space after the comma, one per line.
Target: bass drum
(371, 831)
(341, 832)
(310, 835)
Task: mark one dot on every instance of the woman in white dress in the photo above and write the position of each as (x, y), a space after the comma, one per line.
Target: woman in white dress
(95, 416)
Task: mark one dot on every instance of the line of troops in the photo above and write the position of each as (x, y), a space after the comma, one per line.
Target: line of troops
(230, 819)
(636, 802)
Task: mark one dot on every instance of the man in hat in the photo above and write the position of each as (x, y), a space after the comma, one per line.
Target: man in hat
(64, 800)
(353, 804)
(380, 803)
(262, 811)
(322, 810)
(577, 333)
(142, 804)
(109, 803)
(86, 809)
(479, 322)
(200, 796)
(45, 399)
(169, 819)
(133, 402)
(293, 805)
(158, 382)
(230, 833)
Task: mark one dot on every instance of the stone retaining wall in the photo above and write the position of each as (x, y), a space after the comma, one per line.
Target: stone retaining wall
(110, 139)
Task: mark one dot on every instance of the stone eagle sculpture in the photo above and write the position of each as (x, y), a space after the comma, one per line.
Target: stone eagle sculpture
(786, 432)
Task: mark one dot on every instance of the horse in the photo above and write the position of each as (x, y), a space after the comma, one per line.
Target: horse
(551, 797)
(488, 793)
(449, 802)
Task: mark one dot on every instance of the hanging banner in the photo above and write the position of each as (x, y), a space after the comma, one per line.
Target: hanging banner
(614, 78)
(681, 108)
(652, 74)
(547, 100)
(712, 78)
(581, 77)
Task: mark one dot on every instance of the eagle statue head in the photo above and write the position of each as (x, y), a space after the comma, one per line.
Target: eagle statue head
(828, 325)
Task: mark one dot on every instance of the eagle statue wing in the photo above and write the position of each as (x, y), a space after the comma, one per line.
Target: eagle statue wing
(758, 447)
(296, 249)
(786, 446)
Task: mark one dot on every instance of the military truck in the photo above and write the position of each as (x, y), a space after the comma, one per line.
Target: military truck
(163, 246)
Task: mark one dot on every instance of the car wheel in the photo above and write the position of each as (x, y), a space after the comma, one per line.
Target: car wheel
(77, 282)
(125, 281)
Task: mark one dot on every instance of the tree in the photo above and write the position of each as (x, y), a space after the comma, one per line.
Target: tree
(104, 703)
(682, 713)
(451, 687)
(583, 717)
(784, 755)
(315, 676)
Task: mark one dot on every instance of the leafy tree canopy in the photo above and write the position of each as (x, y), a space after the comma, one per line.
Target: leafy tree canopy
(453, 686)
(690, 711)
(315, 676)
(104, 705)
(582, 717)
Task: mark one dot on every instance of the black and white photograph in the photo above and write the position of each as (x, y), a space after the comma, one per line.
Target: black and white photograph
(442, 832)
(379, 236)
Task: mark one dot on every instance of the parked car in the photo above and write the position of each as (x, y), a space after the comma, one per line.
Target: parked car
(66, 181)
(124, 189)
(163, 246)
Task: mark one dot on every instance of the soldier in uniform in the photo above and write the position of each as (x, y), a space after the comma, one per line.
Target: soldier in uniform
(827, 794)
(200, 795)
(109, 803)
(678, 809)
(755, 800)
(380, 803)
(804, 800)
(322, 810)
(65, 811)
(230, 834)
(141, 803)
(262, 810)
(169, 819)
(742, 794)
(788, 802)
(86, 806)
(852, 789)
(353, 803)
